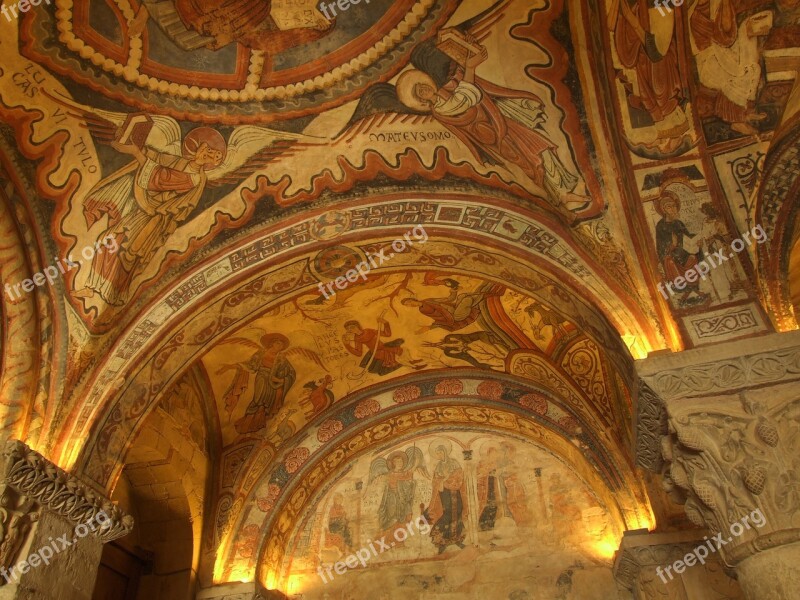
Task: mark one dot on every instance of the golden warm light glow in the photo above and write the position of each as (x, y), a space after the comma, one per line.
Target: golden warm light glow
(295, 585)
(637, 346)
(605, 548)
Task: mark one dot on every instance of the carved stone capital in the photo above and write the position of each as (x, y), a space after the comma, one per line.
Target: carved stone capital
(730, 367)
(642, 550)
(645, 564)
(31, 485)
(651, 427)
(736, 469)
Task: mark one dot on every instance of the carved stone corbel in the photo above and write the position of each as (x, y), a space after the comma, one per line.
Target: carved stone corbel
(31, 485)
(642, 562)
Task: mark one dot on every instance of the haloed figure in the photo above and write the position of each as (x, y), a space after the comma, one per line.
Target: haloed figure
(166, 189)
(675, 259)
(338, 534)
(447, 509)
(496, 122)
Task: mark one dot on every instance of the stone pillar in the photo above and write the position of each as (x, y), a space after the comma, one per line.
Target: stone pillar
(240, 591)
(722, 424)
(645, 562)
(52, 529)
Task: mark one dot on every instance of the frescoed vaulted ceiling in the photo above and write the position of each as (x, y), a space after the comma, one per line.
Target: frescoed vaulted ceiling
(189, 176)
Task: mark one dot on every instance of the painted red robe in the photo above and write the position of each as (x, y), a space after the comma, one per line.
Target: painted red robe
(659, 79)
(166, 191)
(484, 127)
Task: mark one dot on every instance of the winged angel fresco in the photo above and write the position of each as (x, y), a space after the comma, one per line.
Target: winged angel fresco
(498, 125)
(397, 501)
(274, 377)
(145, 201)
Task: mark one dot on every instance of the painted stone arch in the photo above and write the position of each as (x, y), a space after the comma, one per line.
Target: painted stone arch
(31, 326)
(462, 504)
(153, 367)
(461, 399)
(777, 212)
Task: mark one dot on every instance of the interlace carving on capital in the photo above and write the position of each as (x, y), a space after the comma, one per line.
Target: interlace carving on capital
(724, 467)
(48, 487)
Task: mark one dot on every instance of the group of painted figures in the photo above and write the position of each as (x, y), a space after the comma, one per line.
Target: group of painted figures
(500, 495)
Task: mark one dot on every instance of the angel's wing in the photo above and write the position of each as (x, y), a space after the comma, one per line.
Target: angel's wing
(416, 460)
(251, 147)
(242, 341)
(309, 354)
(165, 136)
(378, 467)
(376, 104)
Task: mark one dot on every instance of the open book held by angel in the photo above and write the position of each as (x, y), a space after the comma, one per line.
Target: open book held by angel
(146, 200)
(498, 125)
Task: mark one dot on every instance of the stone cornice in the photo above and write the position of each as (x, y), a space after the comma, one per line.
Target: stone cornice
(723, 369)
(39, 485)
(640, 549)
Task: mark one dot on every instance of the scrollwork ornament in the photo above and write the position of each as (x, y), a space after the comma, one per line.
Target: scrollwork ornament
(43, 485)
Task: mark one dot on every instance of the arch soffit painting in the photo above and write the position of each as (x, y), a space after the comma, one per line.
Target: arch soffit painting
(218, 313)
(777, 209)
(32, 324)
(460, 399)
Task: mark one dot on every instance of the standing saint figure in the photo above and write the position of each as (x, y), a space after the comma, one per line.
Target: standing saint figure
(645, 42)
(338, 534)
(675, 259)
(500, 493)
(447, 507)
